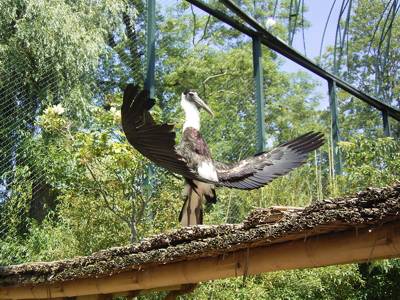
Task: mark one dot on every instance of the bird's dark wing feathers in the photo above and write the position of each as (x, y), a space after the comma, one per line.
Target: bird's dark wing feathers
(257, 171)
(154, 141)
(157, 143)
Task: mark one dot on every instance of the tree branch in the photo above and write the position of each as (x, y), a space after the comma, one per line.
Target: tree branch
(211, 77)
(204, 30)
(194, 24)
(104, 196)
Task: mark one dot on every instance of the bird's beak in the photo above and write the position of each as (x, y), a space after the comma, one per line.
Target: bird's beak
(202, 104)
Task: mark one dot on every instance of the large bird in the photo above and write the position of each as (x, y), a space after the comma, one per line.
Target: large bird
(192, 158)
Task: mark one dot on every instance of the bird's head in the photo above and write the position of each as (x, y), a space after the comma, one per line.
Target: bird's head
(190, 96)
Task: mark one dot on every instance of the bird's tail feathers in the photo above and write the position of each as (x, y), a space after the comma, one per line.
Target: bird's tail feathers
(211, 196)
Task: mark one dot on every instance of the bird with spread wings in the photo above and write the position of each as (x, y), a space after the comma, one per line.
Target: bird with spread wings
(192, 158)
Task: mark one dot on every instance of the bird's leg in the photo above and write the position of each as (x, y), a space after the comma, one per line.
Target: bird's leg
(199, 214)
(192, 210)
(188, 208)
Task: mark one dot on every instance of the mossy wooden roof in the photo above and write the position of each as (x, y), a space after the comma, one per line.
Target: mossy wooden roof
(262, 228)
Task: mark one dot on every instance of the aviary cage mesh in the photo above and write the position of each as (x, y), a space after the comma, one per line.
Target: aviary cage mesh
(30, 86)
(33, 86)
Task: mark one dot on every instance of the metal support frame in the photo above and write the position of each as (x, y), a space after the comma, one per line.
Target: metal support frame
(281, 47)
(151, 47)
(149, 83)
(259, 93)
(386, 124)
(337, 159)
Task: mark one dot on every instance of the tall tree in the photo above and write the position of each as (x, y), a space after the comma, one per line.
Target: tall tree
(370, 60)
(53, 52)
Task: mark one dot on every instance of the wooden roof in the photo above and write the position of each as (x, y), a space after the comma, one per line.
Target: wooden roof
(332, 221)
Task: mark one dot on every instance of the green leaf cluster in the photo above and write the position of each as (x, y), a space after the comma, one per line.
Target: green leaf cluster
(76, 186)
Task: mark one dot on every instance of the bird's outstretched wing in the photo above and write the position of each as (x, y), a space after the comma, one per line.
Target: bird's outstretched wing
(157, 143)
(257, 171)
(154, 141)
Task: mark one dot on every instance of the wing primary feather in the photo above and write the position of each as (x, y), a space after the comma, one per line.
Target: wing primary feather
(256, 172)
(157, 142)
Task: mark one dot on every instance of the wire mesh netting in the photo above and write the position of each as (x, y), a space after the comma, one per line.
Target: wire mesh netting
(40, 95)
(41, 90)
(63, 156)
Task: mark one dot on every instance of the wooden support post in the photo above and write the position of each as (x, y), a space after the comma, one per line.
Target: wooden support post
(259, 93)
(335, 127)
(329, 249)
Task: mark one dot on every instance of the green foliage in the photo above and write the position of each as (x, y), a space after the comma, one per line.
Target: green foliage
(370, 61)
(369, 162)
(70, 57)
(381, 279)
(58, 40)
(14, 211)
(342, 282)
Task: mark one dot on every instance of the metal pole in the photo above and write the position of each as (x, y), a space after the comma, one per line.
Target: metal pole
(151, 47)
(149, 83)
(386, 123)
(279, 46)
(259, 92)
(335, 127)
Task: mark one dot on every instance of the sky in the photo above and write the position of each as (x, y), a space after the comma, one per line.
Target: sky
(317, 15)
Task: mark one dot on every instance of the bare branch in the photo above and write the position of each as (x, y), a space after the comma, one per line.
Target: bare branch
(194, 24)
(104, 196)
(142, 207)
(204, 30)
(125, 193)
(134, 235)
(211, 77)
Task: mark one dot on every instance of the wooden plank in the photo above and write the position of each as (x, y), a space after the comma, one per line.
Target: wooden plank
(329, 249)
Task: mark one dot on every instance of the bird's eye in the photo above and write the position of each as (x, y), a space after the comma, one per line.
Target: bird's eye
(191, 93)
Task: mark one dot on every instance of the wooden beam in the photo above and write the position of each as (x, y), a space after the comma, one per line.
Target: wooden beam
(328, 249)
(95, 297)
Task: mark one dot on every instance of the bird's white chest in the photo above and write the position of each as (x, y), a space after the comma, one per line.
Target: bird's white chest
(206, 169)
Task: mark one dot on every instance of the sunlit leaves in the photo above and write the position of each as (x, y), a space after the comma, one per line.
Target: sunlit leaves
(371, 162)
